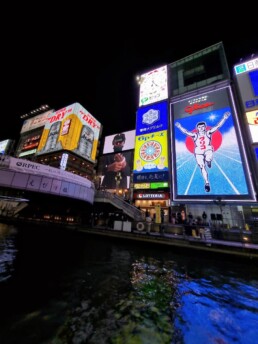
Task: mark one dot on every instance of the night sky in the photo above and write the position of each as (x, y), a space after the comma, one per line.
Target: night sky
(72, 62)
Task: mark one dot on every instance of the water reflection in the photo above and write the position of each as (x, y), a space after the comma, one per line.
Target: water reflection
(7, 250)
(68, 287)
(218, 308)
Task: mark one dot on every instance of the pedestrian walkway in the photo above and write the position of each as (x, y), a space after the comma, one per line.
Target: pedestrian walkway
(208, 244)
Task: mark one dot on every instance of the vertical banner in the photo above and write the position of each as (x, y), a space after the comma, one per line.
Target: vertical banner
(158, 213)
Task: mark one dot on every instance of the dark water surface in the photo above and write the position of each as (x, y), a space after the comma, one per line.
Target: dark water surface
(58, 286)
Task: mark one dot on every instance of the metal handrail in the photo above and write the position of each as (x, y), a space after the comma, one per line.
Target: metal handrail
(129, 209)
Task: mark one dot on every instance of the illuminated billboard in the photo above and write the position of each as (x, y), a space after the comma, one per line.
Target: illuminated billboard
(28, 143)
(5, 146)
(208, 155)
(35, 122)
(252, 120)
(120, 141)
(152, 118)
(246, 75)
(151, 158)
(153, 86)
(115, 170)
(246, 66)
(71, 128)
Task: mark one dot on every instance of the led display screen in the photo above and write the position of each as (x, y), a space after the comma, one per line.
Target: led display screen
(151, 157)
(209, 160)
(253, 75)
(159, 185)
(152, 118)
(4, 146)
(252, 119)
(246, 66)
(71, 128)
(153, 86)
(247, 82)
(28, 143)
(120, 141)
(115, 170)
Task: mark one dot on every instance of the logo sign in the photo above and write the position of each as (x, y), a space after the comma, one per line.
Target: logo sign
(247, 66)
(152, 118)
(153, 86)
(152, 196)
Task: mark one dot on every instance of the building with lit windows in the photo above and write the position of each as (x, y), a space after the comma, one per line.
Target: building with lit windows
(189, 134)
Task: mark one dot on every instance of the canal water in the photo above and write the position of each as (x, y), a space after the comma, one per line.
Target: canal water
(59, 286)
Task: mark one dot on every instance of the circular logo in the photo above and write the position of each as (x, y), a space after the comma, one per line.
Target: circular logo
(150, 150)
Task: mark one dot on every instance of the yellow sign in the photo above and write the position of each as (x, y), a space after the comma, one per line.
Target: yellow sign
(151, 152)
(142, 186)
(71, 128)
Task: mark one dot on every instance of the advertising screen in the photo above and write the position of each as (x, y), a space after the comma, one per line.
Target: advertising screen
(151, 157)
(28, 143)
(152, 118)
(253, 75)
(246, 75)
(153, 86)
(119, 141)
(115, 170)
(35, 122)
(71, 128)
(209, 160)
(252, 119)
(4, 145)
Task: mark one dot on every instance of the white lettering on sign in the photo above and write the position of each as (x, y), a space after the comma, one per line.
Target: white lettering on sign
(151, 195)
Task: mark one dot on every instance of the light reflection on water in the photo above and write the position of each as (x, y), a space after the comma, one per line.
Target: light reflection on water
(65, 287)
(213, 312)
(7, 250)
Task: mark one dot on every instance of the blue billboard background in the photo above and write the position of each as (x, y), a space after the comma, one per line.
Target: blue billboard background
(226, 173)
(152, 118)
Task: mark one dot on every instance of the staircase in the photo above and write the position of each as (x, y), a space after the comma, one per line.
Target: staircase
(129, 209)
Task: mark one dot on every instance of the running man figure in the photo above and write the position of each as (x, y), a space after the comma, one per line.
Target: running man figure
(203, 149)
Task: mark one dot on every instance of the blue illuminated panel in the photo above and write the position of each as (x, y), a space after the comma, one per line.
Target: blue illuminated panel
(254, 81)
(256, 153)
(152, 118)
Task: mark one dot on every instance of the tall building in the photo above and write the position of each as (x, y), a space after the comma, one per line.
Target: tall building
(68, 139)
(192, 105)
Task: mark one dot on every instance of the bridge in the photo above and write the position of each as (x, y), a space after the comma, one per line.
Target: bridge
(21, 174)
